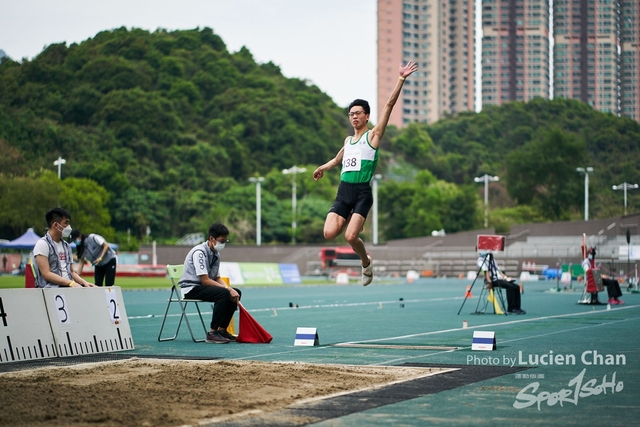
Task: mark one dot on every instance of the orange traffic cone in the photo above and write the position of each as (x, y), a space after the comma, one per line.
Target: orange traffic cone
(468, 293)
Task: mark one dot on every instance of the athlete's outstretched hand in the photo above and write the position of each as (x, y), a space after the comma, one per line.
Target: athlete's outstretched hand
(317, 174)
(408, 69)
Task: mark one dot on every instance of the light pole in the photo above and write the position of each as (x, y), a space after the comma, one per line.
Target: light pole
(59, 164)
(586, 171)
(486, 179)
(374, 182)
(257, 181)
(293, 171)
(625, 186)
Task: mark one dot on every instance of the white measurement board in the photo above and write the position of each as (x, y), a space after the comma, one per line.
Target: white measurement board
(88, 320)
(25, 332)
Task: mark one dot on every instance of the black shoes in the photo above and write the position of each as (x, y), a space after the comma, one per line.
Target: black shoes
(226, 334)
(216, 338)
(516, 311)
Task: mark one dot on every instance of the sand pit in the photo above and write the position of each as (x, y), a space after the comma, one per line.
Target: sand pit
(150, 392)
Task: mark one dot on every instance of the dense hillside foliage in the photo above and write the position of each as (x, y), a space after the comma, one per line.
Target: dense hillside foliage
(535, 148)
(162, 130)
(166, 122)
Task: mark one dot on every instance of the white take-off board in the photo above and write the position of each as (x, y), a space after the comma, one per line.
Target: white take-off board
(25, 333)
(88, 320)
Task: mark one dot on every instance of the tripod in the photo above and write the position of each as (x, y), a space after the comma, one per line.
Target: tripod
(489, 262)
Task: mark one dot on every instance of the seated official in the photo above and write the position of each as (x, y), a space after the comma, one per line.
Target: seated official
(201, 280)
(495, 278)
(53, 254)
(613, 290)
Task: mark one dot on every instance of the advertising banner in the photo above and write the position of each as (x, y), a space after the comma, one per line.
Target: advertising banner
(290, 273)
(260, 273)
(232, 271)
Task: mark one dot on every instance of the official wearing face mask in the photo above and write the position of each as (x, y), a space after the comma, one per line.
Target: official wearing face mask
(201, 280)
(53, 254)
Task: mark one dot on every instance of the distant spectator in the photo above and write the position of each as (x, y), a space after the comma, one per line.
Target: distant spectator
(94, 248)
(613, 287)
(53, 254)
(4, 263)
(613, 290)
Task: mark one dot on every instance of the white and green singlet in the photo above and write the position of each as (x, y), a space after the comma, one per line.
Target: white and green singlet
(359, 160)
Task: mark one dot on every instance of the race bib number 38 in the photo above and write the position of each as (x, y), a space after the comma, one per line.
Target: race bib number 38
(351, 159)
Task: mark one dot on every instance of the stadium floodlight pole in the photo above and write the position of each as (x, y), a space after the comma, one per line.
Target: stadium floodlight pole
(486, 179)
(374, 183)
(59, 164)
(586, 171)
(625, 186)
(257, 181)
(293, 171)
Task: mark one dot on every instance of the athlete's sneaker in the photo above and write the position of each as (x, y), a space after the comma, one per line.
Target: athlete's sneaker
(613, 301)
(215, 338)
(367, 273)
(227, 334)
(619, 301)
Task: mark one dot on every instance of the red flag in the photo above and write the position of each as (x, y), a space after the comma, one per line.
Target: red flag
(250, 329)
(29, 278)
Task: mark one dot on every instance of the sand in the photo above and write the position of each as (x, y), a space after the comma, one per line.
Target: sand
(150, 392)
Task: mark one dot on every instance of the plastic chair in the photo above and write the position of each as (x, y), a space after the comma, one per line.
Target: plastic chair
(174, 272)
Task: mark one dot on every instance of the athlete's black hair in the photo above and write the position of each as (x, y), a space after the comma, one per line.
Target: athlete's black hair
(361, 103)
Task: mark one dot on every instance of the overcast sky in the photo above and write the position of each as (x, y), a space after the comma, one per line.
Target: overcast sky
(332, 43)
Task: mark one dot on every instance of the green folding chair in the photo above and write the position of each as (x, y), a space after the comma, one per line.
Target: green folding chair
(174, 272)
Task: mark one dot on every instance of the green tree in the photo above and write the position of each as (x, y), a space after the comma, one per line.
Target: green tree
(25, 200)
(543, 173)
(86, 201)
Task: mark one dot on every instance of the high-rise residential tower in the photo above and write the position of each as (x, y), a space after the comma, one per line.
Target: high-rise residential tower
(439, 36)
(586, 60)
(515, 50)
(630, 58)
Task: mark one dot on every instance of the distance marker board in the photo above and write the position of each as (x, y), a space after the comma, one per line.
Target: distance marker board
(25, 332)
(88, 320)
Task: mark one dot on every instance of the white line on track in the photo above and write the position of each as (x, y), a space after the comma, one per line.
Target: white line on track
(402, 359)
(302, 307)
(512, 322)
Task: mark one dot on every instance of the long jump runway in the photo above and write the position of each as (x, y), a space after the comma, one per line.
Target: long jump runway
(560, 363)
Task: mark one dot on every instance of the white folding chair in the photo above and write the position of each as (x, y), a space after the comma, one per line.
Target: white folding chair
(174, 272)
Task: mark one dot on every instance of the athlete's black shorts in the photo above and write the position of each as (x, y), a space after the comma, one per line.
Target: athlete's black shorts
(352, 198)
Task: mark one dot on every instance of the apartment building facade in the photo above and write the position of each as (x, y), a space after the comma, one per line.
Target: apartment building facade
(630, 58)
(439, 35)
(586, 60)
(515, 50)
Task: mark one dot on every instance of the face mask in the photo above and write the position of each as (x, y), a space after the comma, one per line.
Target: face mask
(78, 242)
(219, 246)
(66, 232)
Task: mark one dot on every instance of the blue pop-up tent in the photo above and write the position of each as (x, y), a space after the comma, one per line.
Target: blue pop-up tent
(29, 239)
(25, 242)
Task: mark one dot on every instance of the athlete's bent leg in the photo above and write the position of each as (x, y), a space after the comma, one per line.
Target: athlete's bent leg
(333, 225)
(353, 237)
